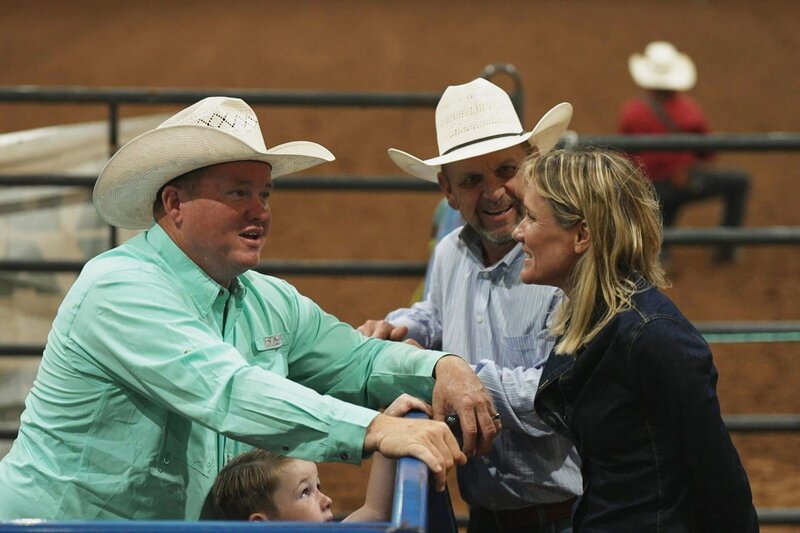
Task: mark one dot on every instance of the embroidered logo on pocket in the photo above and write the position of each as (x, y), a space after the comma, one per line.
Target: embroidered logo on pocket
(271, 342)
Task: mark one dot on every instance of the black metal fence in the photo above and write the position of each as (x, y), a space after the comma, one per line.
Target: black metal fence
(113, 98)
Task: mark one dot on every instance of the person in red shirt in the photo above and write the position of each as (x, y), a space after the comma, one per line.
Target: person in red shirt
(679, 177)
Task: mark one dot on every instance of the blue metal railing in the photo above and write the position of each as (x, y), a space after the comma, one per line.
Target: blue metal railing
(168, 526)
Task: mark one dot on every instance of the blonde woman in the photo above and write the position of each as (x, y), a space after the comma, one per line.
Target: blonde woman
(630, 380)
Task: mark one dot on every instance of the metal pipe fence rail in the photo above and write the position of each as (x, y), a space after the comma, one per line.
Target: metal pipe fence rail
(774, 236)
(113, 98)
(731, 142)
(718, 332)
(751, 423)
(116, 96)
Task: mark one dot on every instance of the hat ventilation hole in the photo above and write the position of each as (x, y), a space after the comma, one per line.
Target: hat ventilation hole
(232, 122)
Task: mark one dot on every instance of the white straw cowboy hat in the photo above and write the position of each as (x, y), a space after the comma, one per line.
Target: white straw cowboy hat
(214, 130)
(478, 118)
(662, 67)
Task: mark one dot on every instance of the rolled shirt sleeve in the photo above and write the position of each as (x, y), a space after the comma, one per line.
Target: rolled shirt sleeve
(423, 322)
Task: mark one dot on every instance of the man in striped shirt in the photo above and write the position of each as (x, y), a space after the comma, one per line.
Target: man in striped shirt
(477, 307)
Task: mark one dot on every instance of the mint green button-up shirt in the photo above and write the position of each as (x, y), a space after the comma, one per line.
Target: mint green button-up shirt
(154, 376)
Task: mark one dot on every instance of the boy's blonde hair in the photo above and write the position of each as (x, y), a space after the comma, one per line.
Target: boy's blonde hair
(246, 485)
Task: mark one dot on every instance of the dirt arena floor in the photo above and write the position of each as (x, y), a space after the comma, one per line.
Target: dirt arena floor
(564, 50)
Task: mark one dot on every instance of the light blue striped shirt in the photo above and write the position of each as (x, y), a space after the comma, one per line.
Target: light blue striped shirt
(499, 325)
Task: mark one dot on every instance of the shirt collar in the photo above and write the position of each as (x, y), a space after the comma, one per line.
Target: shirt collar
(189, 276)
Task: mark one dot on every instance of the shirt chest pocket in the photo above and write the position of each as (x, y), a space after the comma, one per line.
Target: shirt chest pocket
(187, 445)
(270, 353)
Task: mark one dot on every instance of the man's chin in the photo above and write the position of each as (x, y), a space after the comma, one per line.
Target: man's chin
(247, 262)
(499, 234)
(497, 238)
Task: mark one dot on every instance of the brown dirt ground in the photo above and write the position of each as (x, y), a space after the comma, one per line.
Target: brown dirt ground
(574, 51)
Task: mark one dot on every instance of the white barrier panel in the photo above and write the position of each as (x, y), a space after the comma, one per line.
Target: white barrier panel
(47, 223)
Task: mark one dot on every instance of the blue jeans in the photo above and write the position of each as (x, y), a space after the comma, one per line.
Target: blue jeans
(730, 185)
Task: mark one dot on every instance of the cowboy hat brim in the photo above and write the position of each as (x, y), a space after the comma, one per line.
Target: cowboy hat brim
(127, 185)
(544, 137)
(680, 76)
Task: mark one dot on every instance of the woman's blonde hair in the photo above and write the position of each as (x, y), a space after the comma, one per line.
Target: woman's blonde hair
(617, 202)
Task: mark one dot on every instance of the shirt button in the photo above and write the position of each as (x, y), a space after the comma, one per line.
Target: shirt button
(485, 275)
(285, 448)
(166, 459)
(479, 318)
(345, 456)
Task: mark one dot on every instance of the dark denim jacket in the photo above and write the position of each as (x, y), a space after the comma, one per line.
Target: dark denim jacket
(640, 403)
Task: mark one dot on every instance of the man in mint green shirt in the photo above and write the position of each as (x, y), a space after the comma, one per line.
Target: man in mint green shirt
(169, 356)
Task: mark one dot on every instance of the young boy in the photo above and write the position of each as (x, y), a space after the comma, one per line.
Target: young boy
(261, 485)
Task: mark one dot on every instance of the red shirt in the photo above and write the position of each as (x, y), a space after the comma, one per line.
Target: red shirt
(637, 117)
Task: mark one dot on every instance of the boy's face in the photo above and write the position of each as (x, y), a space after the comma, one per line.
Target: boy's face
(298, 496)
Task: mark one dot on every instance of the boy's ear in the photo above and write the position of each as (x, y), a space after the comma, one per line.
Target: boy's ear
(258, 517)
(582, 238)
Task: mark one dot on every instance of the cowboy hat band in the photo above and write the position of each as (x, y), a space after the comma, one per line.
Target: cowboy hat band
(478, 118)
(468, 143)
(212, 131)
(662, 67)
